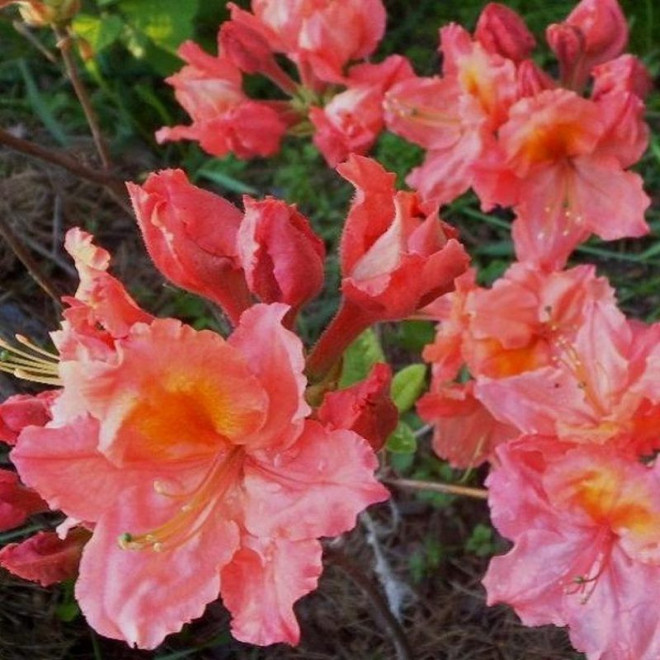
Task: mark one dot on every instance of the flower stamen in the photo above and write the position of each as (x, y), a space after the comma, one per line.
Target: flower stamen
(191, 516)
(37, 365)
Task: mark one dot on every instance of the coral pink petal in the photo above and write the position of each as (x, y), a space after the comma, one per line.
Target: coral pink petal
(66, 468)
(315, 488)
(620, 620)
(275, 357)
(536, 401)
(611, 201)
(44, 557)
(17, 502)
(142, 595)
(263, 581)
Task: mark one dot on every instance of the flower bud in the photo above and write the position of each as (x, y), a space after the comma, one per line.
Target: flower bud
(190, 234)
(282, 258)
(500, 30)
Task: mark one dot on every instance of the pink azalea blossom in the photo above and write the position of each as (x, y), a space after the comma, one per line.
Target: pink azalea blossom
(225, 120)
(198, 481)
(501, 30)
(465, 433)
(396, 258)
(45, 558)
(454, 116)
(352, 120)
(594, 389)
(23, 410)
(593, 33)
(190, 234)
(282, 258)
(365, 407)
(17, 502)
(620, 87)
(549, 165)
(585, 523)
(517, 325)
(321, 35)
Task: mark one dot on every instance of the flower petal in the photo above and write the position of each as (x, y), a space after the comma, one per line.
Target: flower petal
(261, 584)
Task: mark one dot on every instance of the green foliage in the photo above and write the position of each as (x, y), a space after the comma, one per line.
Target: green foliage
(407, 385)
(150, 30)
(360, 357)
(481, 541)
(402, 440)
(426, 560)
(67, 609)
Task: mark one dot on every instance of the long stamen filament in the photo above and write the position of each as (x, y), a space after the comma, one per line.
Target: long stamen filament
(420, 115)
(38, 365)
(192, 516)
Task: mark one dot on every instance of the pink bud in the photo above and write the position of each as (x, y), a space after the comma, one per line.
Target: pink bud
(251, 53)
(282, 258)
(23, 410)
(44, 557)
(365, 408)
(17, 502)
(593, 33)
(190, 234)
(500, 30)
(532, 80)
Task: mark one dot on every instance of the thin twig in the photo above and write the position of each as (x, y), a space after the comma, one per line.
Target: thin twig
(64, 44)
(113, 183)
(357, 574)
(26, 259)
(439, 487)
(25, 32)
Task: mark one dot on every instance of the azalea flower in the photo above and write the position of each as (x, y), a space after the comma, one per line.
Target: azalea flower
(320, 36)
(351, 120)
(549, 166)
(396, 258)
(465, 433)
(594, 389)
(17, 502)
(593, 33)
(365, 407)
(585, 524)
(45, 557)
(193, 461)
(224, 119)
(453, 116)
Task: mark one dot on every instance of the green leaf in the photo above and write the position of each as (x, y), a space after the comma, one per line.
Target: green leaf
(213, 170)
(481, 541)
(40, 105)
(402, 440)
(99, 32)
(414, 335)
(67, 611)
(166, 23)
(407, 385)
(359, 357)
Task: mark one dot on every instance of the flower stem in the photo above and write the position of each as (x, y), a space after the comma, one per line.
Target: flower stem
(64, 44)
(112, 183)
(348, 323)
(439, 487)
(26, 259)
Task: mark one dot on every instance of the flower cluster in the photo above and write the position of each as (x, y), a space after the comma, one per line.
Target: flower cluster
(184, 466)
(336, 98)
(561, 397)
(496, 122)
(190, 466)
